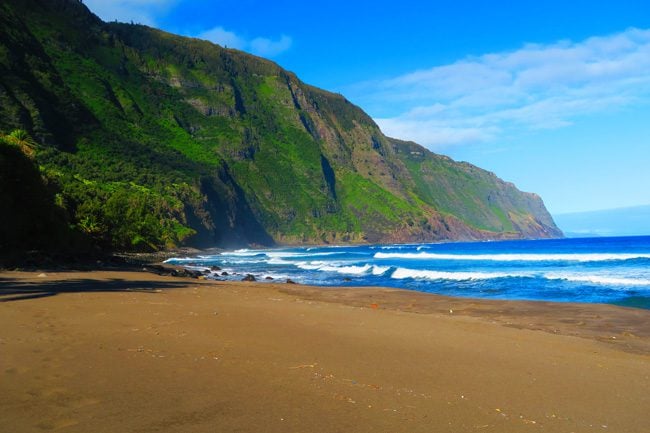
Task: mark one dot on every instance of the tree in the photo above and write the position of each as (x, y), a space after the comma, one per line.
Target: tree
(21, 139)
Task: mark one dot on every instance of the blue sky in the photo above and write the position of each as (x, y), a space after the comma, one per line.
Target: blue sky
(553, 96)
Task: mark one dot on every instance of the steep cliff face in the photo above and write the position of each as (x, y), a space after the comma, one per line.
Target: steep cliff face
(475, 196)
(223, 147)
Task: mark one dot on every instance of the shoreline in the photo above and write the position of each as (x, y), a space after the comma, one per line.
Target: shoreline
(616, 325)
(113, 349)
(593, 270)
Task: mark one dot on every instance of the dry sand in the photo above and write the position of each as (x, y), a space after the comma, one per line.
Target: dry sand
(126, 351)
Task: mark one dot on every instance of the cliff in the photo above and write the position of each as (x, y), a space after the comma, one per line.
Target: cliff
(157, 140)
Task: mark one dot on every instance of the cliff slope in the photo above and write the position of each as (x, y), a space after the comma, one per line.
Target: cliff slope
(158, 140)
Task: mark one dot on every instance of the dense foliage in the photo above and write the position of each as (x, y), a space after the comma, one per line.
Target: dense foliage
(30, 218)
(156, 140)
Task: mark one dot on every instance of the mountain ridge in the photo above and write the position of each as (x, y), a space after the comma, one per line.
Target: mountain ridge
(213, 146)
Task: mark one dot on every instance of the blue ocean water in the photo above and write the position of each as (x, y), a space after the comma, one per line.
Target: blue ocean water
(602, 270)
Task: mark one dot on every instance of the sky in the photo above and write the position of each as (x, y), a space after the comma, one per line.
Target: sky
(553, 96)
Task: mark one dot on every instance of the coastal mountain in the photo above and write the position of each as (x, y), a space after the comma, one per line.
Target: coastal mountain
(148, 140)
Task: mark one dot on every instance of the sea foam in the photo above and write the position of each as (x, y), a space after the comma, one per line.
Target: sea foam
(550, 257)
(599, 279)
(567, 270)
(402, 273)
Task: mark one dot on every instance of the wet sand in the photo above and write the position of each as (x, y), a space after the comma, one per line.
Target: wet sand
(110, 351)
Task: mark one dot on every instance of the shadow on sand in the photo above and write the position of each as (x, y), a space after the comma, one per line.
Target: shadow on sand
(17, 290)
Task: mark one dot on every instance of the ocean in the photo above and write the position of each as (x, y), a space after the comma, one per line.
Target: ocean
(613, 270)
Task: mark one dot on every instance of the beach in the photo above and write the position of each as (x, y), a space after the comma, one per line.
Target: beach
(123, 350)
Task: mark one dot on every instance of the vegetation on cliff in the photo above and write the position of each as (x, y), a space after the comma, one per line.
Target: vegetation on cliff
(155, 140)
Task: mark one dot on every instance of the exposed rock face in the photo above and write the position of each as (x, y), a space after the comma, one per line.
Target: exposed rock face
(235, 149)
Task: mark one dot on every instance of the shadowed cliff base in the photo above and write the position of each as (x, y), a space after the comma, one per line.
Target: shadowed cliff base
(18, 290)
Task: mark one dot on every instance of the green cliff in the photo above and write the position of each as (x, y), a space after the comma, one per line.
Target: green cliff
(155, 140)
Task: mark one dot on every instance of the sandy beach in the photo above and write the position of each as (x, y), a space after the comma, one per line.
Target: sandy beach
(125, 351)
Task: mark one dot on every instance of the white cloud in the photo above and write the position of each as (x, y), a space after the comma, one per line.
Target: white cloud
(223, 37)
(138, 11)
(536, 87)
(260, 46)
(146, 11)
(269, 48)
(434, 133)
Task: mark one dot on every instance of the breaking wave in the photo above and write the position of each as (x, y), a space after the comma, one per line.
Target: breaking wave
(610, 270)
(402, 273)
(590, 257)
